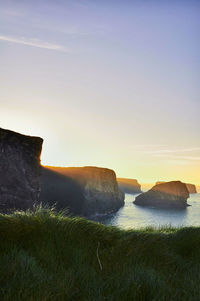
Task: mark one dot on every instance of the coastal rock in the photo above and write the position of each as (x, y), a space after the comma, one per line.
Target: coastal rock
(167, 195)
(19, 170)
(129, 185)
(191, 187)
(99, 187)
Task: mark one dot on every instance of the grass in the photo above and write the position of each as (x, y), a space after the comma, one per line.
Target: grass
(47, 256)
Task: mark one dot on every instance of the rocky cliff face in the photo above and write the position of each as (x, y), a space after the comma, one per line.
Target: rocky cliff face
(191, 187)
(84, 191)
(19, 170)
(170, 195)
(129, 185)
(99, 187)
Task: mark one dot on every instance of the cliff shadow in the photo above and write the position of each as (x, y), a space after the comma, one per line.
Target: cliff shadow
(61, 191)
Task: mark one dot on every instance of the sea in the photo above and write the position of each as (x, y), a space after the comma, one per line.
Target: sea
(134, 216)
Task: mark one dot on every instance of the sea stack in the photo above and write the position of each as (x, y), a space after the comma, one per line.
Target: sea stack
(191, 187)
(19, 170)
(165, 195)
(129, 185)
(99, 187)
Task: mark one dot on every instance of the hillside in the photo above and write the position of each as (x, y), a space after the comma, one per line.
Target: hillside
(44, 256)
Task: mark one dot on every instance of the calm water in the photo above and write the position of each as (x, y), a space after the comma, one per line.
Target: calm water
(132, 216)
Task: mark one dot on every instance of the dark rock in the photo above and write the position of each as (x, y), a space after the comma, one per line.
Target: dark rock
(167, 195)
(19, 170)
(99, 187)
(129, 185)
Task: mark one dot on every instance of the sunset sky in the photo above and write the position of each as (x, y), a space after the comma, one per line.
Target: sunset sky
(107, 83)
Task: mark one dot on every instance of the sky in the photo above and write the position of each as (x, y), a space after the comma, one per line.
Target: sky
(105, 83)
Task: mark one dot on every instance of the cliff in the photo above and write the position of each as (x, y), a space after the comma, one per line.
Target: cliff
(98, 185)
(170, 195)
(191, 187)
(129, 185)
(61, 191)
(19, 170)
(83, 191)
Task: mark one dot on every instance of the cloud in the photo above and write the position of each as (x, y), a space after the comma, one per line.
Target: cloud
(169, 151)
(34, 43)
(188, 158)
(177, 156)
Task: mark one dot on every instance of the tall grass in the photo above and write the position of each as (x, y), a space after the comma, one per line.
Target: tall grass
(47, 256)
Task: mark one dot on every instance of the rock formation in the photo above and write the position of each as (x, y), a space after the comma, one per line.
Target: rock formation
(166, 195)
(99, 187)
(191, 187)
(19, 170)
(129, 185)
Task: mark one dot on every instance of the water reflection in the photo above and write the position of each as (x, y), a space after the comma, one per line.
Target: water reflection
(133, 216)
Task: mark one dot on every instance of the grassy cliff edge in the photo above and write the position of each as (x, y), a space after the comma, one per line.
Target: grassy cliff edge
(47, 256)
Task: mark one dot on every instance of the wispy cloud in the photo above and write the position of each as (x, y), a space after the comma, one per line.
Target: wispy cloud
(34, 43)
(181, 156)
(169, 151)
(188, 158)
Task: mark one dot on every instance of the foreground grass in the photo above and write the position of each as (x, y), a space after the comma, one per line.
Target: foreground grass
(44, 256)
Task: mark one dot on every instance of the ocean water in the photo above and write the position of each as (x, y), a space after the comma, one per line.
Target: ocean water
(133, 216)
